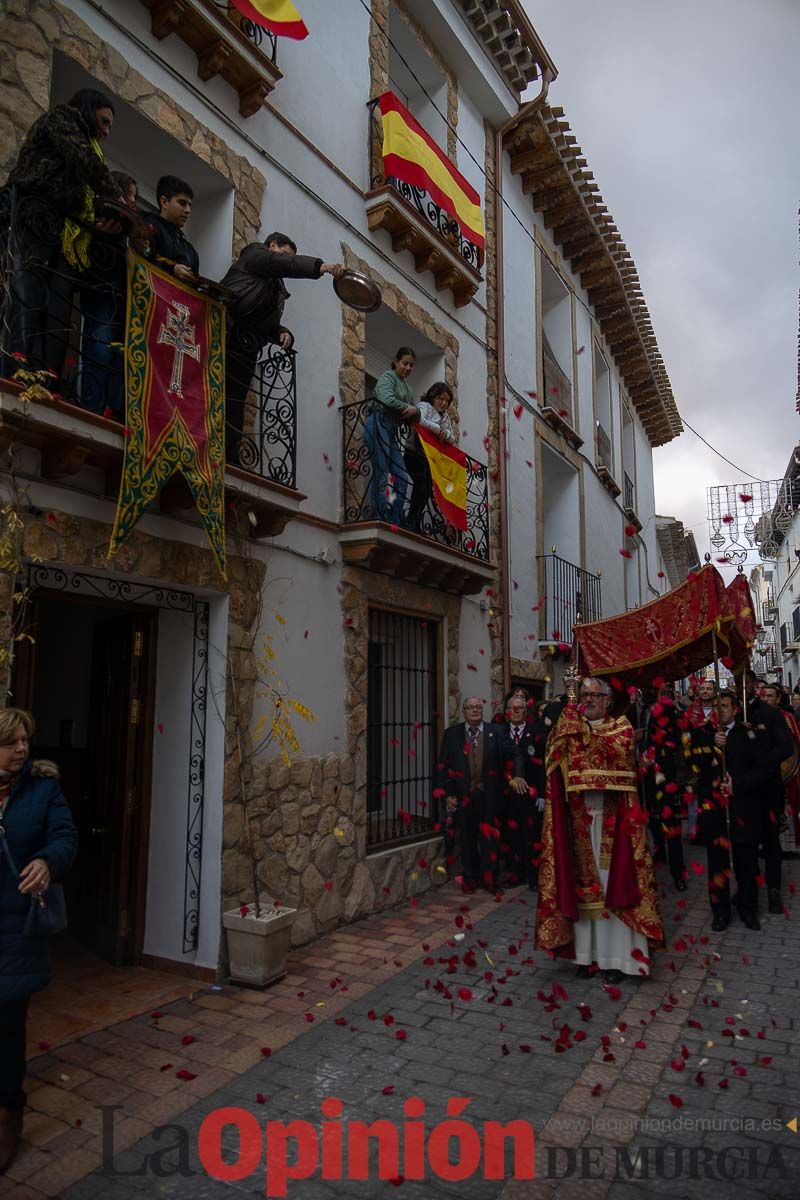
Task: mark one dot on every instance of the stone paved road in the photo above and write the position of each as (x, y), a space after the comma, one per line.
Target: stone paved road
(638, 1067)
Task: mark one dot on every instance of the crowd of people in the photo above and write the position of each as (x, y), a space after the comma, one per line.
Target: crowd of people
(579, 800)
(65, 241)
(69, 225)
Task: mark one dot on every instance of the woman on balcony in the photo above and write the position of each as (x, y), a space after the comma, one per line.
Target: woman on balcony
(391, 404)
(60, 181)
(434, 415)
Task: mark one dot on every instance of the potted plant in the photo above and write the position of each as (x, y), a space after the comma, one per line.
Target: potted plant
(259, 931)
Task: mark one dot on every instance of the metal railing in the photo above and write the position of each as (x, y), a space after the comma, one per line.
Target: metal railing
(557, 385)
(572, 596)
(630, 492)
(70, 323)
(401, 733)
(418, 197)
(262, 38)
(604, 455)
(385, 478)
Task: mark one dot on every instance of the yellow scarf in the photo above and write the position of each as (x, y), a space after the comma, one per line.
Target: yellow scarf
(76, 237)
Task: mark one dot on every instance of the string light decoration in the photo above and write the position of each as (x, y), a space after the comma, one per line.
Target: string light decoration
(744, 518)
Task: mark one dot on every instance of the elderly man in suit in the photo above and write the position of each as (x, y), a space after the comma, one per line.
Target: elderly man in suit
(462, 779)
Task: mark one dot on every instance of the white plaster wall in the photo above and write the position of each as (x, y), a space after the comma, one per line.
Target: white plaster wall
(169, 803)
(519, 288)
(475, 659)
(305, 593)
(521, 478)
(604, 540)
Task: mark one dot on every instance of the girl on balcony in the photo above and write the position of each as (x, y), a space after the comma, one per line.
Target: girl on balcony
(434, 416)
(391, 404)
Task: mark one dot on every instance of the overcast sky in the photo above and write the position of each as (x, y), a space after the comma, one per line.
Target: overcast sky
(688, 112)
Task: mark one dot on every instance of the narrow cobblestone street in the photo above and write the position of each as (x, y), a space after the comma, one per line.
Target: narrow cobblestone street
(377, 1013)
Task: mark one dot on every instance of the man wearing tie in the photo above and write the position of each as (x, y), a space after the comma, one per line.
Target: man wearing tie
(462, 779)
(521, 786)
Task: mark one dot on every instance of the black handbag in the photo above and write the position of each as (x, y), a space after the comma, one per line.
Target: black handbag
(48, 910)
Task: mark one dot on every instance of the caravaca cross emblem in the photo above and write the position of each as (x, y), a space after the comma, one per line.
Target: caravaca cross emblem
(178, 332)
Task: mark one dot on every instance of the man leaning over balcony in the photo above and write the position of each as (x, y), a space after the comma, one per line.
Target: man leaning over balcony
(254, 317)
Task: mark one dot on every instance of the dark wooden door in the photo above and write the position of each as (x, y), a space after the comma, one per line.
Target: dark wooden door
(108, 869)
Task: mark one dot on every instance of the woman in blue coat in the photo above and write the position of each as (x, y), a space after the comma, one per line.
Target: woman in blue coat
(38, 844)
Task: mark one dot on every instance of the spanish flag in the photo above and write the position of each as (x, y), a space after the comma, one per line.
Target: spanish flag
(278, 16)
(448, 467)
(411, 154)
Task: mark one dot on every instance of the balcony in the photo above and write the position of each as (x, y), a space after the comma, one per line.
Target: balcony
(386, 531)
(629, 502)
(557, 398)
(226, 44)
(572, 597)
(604, 461)
(68, 405)
(417, 223)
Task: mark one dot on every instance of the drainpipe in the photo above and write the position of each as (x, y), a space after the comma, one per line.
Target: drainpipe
(505, 566)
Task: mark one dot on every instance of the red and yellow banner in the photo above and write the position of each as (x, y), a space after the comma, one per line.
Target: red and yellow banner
(175, 398)
(668, 638)
(448, 467)
(411, 154)
(278, 16)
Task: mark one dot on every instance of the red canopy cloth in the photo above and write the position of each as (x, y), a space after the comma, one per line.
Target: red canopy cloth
(671, 637)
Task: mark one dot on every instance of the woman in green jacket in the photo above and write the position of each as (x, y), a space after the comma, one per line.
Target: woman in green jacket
(392, 403)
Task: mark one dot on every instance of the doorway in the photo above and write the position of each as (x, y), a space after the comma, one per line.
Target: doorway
(88, 677)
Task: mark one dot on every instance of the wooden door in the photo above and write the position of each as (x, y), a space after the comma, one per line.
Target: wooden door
(107, 870)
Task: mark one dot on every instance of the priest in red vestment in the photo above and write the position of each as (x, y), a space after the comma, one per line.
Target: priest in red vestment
(597, 895)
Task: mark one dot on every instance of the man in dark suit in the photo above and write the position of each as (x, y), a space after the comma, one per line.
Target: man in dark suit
(748, 774)
(462, 780)
(519, 782)
(778, 747)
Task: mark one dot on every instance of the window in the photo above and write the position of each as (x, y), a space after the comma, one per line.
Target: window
(402, 726)
(427, 77)
(602, 410)
(556, 341)
(628, 457)
(796, 625)
(140, 148)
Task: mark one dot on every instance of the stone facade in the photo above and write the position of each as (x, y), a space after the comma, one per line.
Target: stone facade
(495, 430)
(309, 823)
(30, 32)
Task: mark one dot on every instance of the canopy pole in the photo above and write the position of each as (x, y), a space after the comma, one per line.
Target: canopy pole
(724, 767)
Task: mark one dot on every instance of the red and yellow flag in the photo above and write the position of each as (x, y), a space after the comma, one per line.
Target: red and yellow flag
(278, 16)
(175, 400)
(411, 154)
(448, 467)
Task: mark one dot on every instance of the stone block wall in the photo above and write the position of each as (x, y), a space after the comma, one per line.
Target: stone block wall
(309, 829)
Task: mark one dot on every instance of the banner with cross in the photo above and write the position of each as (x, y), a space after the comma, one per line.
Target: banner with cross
(175, 400)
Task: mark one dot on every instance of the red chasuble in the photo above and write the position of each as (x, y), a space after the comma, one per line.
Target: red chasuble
(580, 758)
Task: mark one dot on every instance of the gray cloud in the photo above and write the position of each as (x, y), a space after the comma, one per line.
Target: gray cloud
(687, 114)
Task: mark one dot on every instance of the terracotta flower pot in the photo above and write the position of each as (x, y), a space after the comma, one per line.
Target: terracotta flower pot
(258, 945)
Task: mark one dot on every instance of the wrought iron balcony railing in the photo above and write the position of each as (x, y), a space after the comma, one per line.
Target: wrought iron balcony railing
(630, 492)
(71, 324)
(572, 597)
(604, 456)
(384, 480)
(418, 197)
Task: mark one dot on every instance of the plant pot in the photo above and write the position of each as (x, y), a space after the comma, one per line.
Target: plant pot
(258, 945)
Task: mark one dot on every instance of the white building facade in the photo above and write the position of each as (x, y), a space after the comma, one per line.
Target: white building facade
(561, 397)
